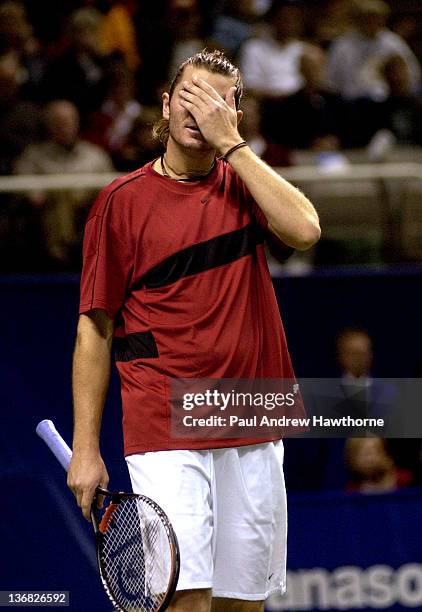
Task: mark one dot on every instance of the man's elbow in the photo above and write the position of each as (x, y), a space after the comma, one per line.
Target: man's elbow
(93, 327)
(308, 237)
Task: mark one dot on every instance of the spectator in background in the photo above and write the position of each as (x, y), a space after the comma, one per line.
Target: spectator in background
(271, 65)
(354, 354)
(140, 146)
(272, 153)
(47, 19)
(79, 74)
(20, 124)
(234, 25)
(313, 117)
(372, 467)
(62, 212)
(354, 58)
(352, 394)
(117, 33)
(20, 120)
(331, 20)
(401, 111)
(395, 120)
(111, 124)
(17, 36)
(364, 395)
(185, 21)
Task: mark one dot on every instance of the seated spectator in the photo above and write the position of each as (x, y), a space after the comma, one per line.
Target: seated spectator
(250, 128)
(16, 35)
(234, 26)
(332, 19)
(79, 74)
(62, 153)
(20, 120)
(313, 117)
(140, 146)
(185, 21)
(354, 354)
(354, 58)
(20, 125)
(372, 468)
(117, 33)
(111, 124)
(271, 66)
(355, 394)
(401, 111)
(365, 396)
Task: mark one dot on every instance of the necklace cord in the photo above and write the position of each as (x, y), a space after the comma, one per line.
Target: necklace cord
(197, 177)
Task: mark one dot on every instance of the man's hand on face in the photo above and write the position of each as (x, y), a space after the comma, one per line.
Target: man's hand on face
(216, 117)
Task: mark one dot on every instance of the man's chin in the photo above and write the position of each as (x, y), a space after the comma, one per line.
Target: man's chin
(192, 143)
(197, 144)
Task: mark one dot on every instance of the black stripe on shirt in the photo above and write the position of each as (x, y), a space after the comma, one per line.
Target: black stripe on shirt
(203, 256)
(135, 346)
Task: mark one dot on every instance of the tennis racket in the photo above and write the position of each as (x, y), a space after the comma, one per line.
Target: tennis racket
(137, 551)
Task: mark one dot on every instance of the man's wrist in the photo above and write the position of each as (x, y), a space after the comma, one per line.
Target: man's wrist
(86, 444)
(233, 149)
(229, 144)
(86, 450)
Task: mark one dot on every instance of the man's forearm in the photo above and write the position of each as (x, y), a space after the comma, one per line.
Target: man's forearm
(290, 214)
(91, 374)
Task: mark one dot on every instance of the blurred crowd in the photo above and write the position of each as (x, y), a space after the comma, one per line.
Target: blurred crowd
(374, 464)
(81, 84)
(370, 461)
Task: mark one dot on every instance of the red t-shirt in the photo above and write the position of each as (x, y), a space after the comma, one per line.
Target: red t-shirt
(181, 268)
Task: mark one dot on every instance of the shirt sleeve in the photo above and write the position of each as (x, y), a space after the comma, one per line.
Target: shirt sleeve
(278, 249)
(107, 258)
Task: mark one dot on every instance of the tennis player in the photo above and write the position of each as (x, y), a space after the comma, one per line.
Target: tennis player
(174, 269)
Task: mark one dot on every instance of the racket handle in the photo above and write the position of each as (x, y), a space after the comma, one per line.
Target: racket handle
(47, 432)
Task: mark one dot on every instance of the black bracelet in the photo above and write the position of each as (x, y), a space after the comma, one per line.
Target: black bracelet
(233, 149)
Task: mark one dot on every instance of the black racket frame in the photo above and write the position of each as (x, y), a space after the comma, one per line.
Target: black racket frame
(116, 498)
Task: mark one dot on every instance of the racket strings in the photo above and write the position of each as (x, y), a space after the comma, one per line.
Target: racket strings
(135, 556)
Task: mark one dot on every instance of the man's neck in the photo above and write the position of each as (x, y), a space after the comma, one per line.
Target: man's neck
(183, 163)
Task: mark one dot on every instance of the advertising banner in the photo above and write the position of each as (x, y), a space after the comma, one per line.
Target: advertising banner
(353, 552)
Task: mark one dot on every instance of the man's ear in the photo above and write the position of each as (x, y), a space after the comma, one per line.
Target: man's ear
(166, 106)
(239, 114)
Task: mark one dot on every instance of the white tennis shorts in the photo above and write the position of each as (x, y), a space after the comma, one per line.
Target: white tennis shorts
(228, 509)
